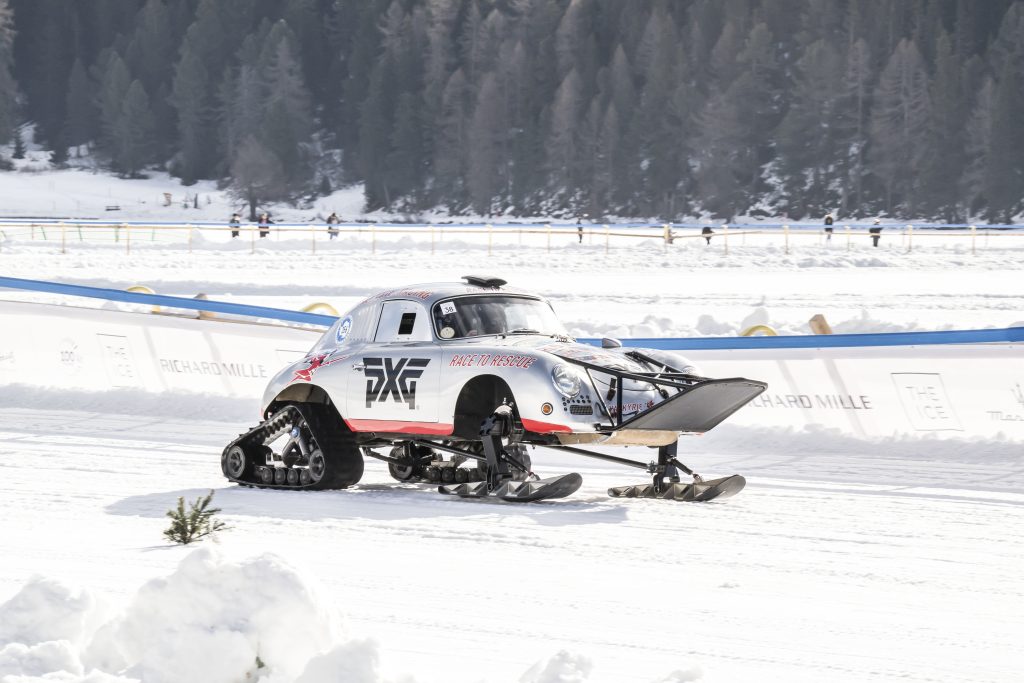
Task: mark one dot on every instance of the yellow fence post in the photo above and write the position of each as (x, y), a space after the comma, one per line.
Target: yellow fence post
(431, 238)
(127, 239)
(252, 239)
(373, 237)
(725, 237)
(607, 237)
(548, 228)
(312, 235)
(910, 238)
(974, 238)
(63, 239)
(33, 231)
(189, 226)
(785, 231)
(847, 238)
(490, 237)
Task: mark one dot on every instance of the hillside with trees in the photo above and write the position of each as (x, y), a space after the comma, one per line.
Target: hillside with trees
(634, 108)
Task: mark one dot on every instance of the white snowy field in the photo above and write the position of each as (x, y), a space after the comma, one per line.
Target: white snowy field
(843, 560)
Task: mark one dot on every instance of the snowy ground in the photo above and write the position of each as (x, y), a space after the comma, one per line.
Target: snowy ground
(841, 561)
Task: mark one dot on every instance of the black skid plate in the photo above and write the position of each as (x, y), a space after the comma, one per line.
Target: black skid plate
(697, 492)
(699, 408)
(518, 491)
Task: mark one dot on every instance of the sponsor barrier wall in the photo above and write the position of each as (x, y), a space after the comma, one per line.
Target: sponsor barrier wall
(93, 349)
(939, 384)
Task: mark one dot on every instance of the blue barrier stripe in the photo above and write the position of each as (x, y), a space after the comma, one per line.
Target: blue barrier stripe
(999, 335)
(168, 301)
(819, 341)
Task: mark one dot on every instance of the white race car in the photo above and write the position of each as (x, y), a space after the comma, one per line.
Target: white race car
(454, 380)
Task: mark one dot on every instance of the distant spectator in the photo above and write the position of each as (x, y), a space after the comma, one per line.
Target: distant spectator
(876, 232)
(235, 223)
(829, 220)
(707, 232)
(264, 224)
(579, 226)
(332, 225)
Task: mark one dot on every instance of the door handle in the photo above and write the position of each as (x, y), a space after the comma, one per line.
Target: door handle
(358, 367)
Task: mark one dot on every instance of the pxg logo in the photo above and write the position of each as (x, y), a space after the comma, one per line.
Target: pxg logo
(393, 377)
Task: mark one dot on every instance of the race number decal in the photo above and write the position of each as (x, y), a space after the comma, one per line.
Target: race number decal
(395, 377)
(448, 307)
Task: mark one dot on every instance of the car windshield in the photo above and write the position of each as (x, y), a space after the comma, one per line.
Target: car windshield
(477, 316)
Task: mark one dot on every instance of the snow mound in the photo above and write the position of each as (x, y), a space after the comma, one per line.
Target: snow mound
(230, 617)
(564, 667)
(44, 610)
(211, 620)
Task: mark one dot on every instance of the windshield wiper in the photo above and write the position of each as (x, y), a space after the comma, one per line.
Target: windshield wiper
(523, 330)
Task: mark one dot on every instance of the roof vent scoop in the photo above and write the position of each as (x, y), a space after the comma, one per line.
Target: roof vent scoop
(479, 281)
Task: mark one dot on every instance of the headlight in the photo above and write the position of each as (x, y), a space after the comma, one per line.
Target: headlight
(565, 380)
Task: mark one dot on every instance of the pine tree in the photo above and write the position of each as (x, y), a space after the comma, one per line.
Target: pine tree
(287, 119)
(82, 123)
(1004, 172)
(19, 145)
(257, 175)
(135, 130)
(899, 126)
(114, 84)
(807, 144)
(8, 89)
(190, 97)
(195, 523)
(945, 156)
(484, 138)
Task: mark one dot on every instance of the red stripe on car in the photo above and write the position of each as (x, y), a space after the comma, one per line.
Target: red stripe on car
(400, 427)
(543, 427)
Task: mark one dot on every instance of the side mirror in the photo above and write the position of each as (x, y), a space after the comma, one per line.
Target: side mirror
(610, 343)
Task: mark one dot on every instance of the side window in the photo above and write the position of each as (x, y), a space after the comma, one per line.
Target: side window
(402, 321)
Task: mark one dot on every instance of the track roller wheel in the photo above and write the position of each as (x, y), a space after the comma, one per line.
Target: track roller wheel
(461, 475)
(292, 476)
(236, 463)
(317, 466)
(280, 475)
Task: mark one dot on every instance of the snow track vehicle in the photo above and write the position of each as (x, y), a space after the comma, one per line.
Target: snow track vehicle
(450, 383)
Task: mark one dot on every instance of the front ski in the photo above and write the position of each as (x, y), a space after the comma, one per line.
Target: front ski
(518, 491)
(697, 492)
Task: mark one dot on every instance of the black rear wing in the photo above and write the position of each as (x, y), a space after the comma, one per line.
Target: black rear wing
(690, 403)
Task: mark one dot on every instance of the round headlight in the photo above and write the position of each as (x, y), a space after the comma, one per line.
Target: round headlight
(566, 380)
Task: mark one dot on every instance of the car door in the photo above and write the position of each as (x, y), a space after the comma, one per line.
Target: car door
(401, 372)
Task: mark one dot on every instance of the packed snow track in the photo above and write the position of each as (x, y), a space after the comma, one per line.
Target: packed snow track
(840, 561)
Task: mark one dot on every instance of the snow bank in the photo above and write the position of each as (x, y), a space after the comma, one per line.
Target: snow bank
(211, 620)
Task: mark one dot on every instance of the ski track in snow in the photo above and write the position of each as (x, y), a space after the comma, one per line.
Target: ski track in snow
(829, 566)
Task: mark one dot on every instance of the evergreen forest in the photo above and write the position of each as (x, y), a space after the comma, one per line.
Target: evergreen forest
(647, 108)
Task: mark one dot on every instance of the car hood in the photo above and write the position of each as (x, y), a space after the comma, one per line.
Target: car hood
(581, 352)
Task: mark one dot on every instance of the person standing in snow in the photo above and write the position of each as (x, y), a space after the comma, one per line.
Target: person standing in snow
(828, 227)
(876, 232)
(332, 225)
(235, 224)
(265, 224)
(707, 233)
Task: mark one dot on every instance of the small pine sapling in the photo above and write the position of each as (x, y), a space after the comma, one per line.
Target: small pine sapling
(196, 522)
